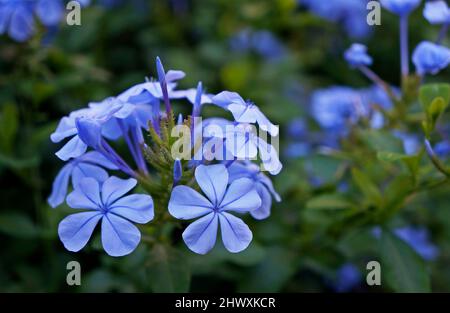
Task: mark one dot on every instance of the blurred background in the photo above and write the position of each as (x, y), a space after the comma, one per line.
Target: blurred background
(276, 53)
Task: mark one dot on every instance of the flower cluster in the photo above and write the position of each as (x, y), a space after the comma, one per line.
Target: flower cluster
(234, 184)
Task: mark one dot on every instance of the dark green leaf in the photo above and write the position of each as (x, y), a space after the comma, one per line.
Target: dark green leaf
(401, 268)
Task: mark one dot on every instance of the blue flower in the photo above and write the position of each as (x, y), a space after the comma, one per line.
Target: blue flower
(442, 148)
(357, 55)
(347, 278)
(437, 12)
(104, 202)
(400, 7)
(88, 165)
(351, 13)
(262, 42)
(16, 19)
(430, 58)
(411, 143)
(418, 239)
(244, 111)
(263, 186)
(50, 12)
(337, 106)
(240, 196)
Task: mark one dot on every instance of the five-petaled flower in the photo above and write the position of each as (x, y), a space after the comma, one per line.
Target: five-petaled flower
(240, 196)
(105, 202)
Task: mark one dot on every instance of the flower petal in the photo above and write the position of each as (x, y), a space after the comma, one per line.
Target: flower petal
(76, 229)
(97, 158)
(72, 149)
(186, 203)
(86, 195)
(225, 98)
(266, 203)
(114, 188)
(60, 184)
(213, 180)
(236, 235)
(119, 237)
(241, 197)
(66, 128)
(200, 236)
(82, 170)
(50, 12)
(21, 26)
(137, 208)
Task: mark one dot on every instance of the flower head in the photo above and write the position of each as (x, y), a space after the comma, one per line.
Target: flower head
(240, 196)
(400, 7)
(334, 107)
(437, 12)
(430, 58)
(105, 202)
(357, 55)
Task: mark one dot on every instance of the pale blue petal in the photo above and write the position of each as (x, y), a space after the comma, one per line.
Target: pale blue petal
(264, 180)
(82, 170)
(241, 196)
(174, 75)
(5, 16)
(437, 12)
(114, 188)
(265, 124)
(213, 180)
(225, 98)
(66, 128)
(266, 203)
(89, 131)
(269, 157)
(97, 158)
(86, 195)
(111, 129)
(186, 203)
(236, 235)
(76, 229)
(119, 237)
(137, 208)
(200, 236)
(21, 26)
(60, 184)
(74, 148)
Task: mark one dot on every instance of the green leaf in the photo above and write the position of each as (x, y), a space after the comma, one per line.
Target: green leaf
(328, 202)
(429, 92)
(434, 99)
(17, 225)
(167, 270)
(18, 164)
(8, 126)
(401, 268)
(411, 161)
(380, 140)
(368, 188)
